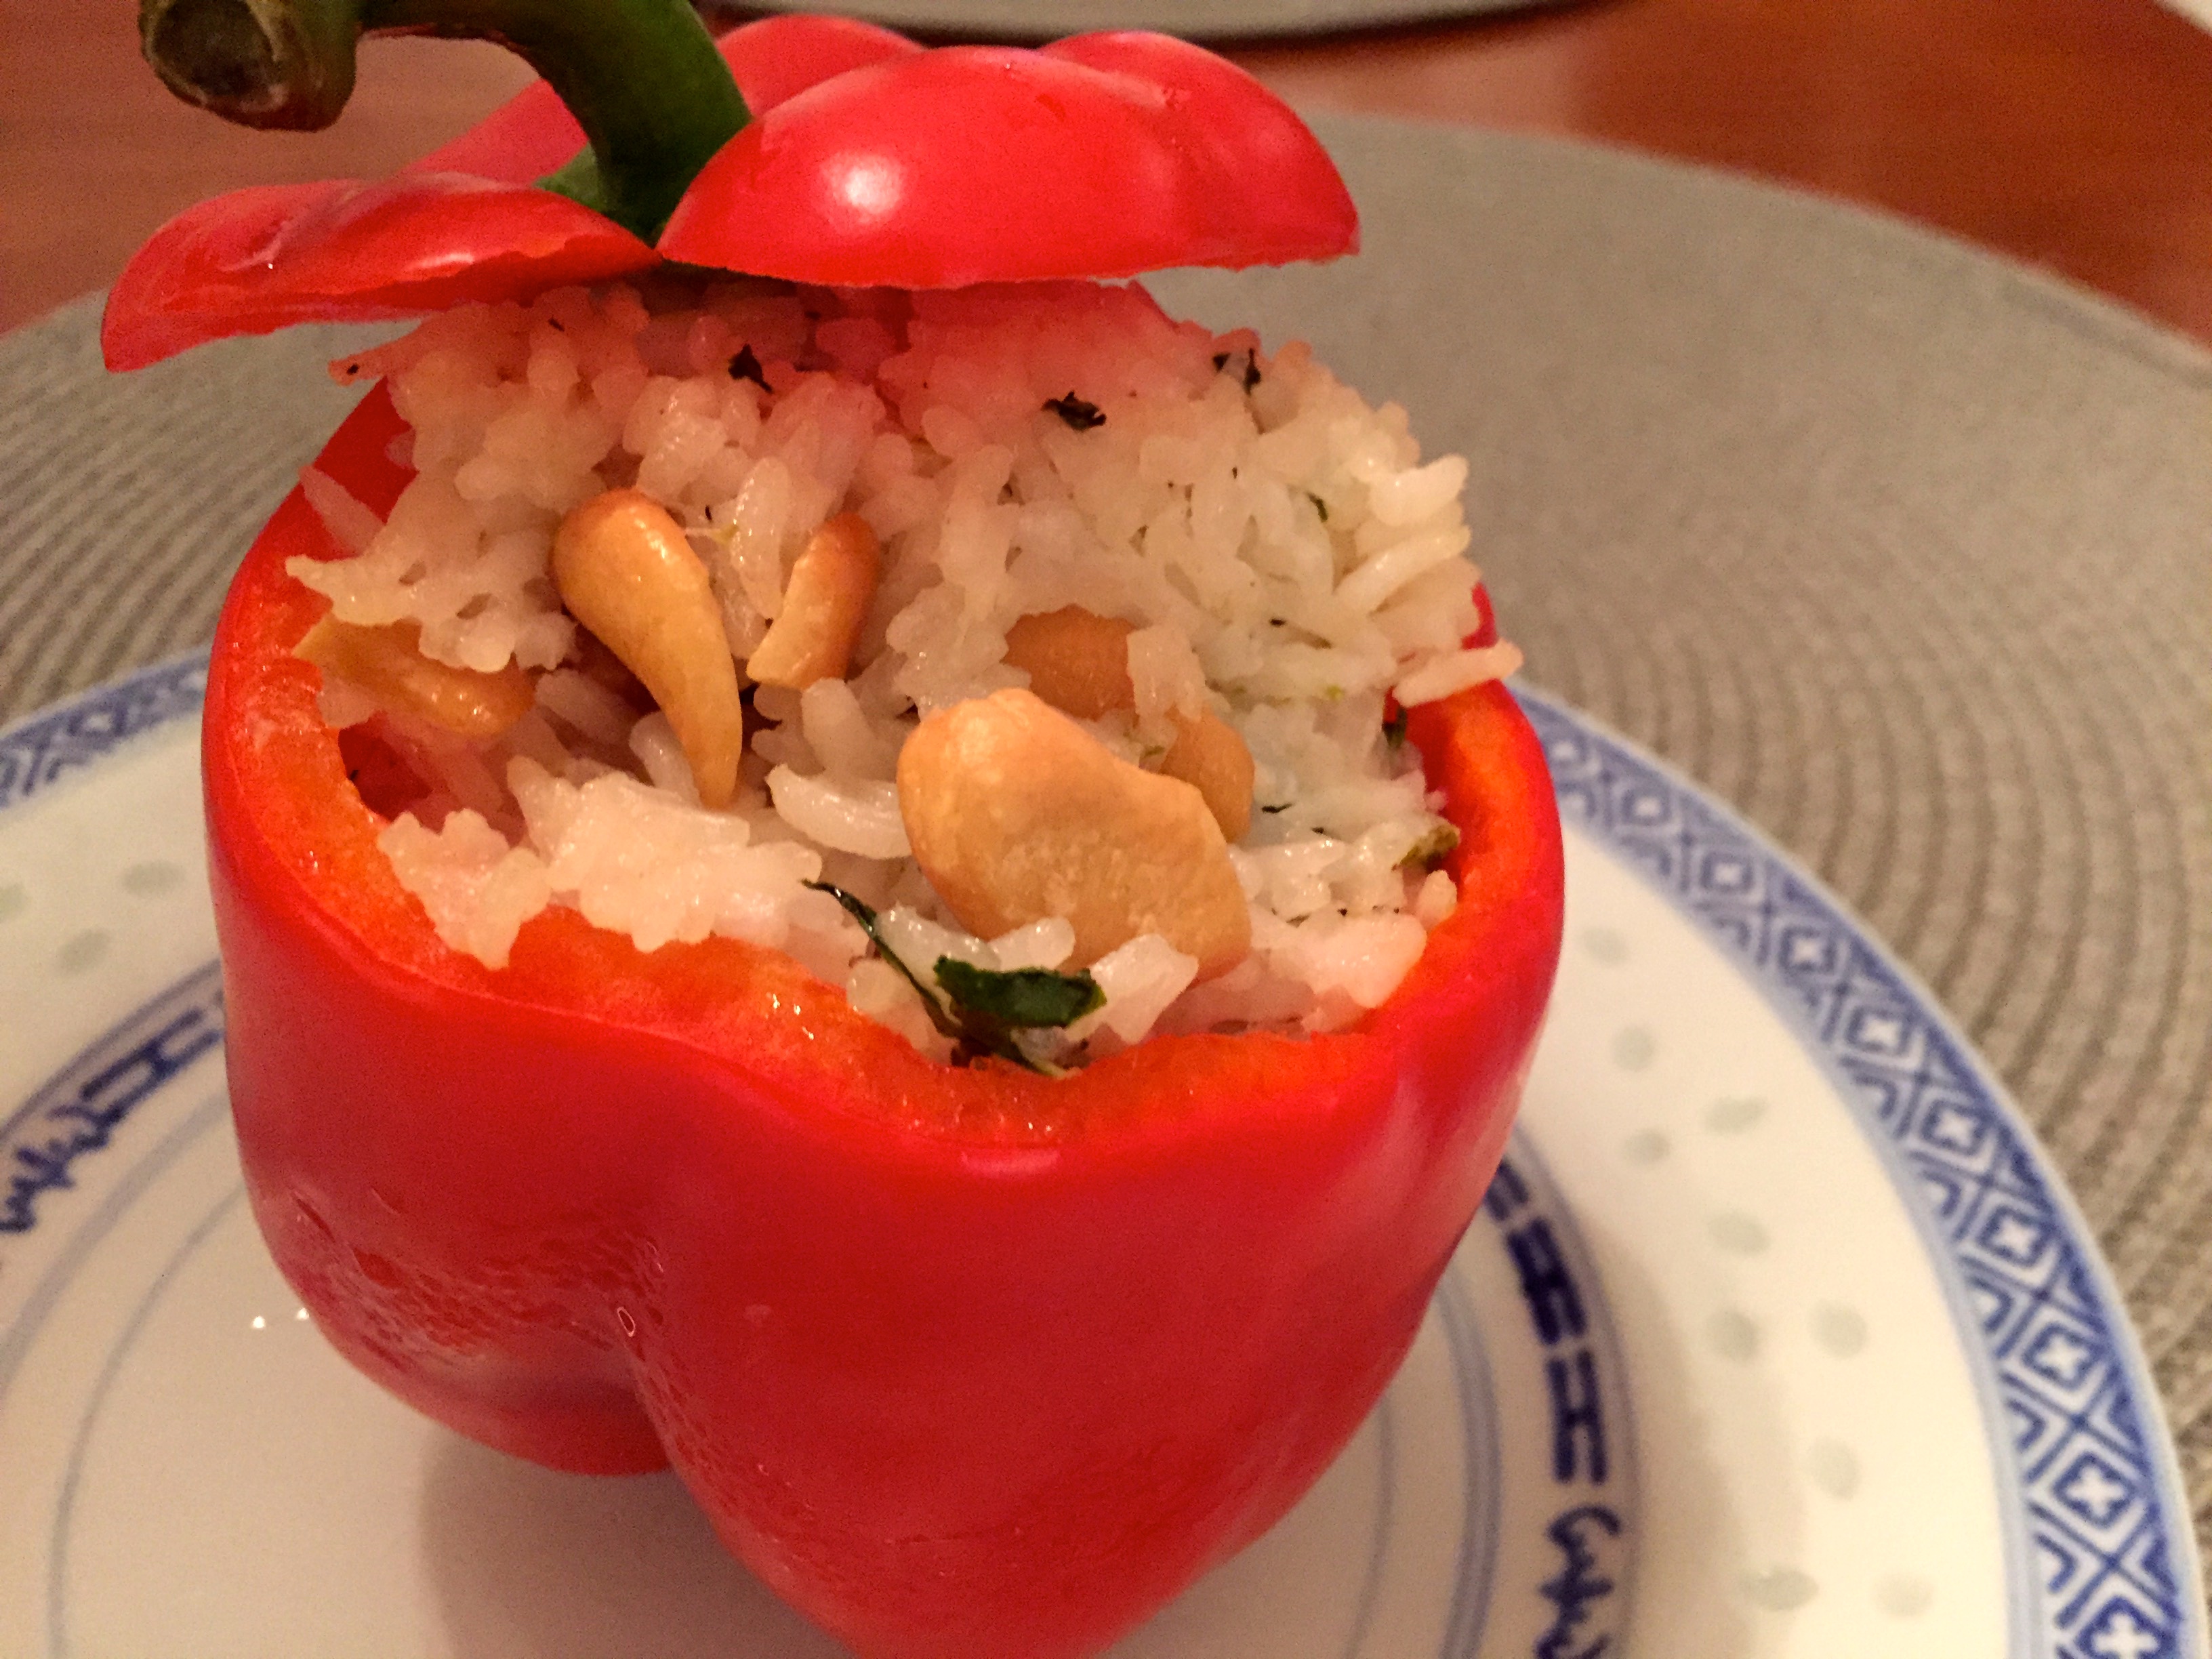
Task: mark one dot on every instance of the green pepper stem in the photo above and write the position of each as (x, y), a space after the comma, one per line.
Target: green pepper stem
(641, 76)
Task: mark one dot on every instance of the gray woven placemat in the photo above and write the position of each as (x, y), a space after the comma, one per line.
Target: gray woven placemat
(1195, 19)
(1905, 552)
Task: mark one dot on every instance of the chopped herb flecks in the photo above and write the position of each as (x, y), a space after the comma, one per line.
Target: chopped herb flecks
(866, 917)
(1076, 412)
(747, 366)
(1320, 506)
(1432, 849)
(1248, 368)
(985, 1010)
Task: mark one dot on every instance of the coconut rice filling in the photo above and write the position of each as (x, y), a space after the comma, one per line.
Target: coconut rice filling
(682, 573)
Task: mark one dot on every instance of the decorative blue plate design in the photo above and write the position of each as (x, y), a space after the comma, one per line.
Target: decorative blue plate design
(36, 751)
(2094, 1493)
(2091, 1471)
(77, 1113)
(1589, 1515)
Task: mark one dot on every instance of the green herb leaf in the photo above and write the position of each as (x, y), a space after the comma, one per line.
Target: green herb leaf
(1022, 998)
(746, 366)
(988, 1008)
(1431, 848)
(1076, 412)
(946, 1024)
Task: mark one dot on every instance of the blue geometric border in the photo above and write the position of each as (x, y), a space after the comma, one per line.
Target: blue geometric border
(2113, 1566)
(78, 1110)
(36, 751)
(2114, 1563)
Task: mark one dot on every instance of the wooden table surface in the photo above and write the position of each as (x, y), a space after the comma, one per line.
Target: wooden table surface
(2074, 133)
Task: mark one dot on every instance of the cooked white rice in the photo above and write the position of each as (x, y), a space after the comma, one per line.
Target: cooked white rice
(1285, 557)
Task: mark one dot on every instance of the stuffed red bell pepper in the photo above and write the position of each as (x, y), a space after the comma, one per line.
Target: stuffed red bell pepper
(918, 900)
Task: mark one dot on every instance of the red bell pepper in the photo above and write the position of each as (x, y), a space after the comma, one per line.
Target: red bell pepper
(962, 1361)
(1105, 155)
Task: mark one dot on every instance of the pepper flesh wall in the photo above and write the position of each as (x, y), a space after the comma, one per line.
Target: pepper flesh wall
(961, 1362)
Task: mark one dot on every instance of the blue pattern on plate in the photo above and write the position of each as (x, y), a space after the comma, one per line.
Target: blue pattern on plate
(2099, 1492)
(78, 1111)
(2087, 1474)
(36, 751)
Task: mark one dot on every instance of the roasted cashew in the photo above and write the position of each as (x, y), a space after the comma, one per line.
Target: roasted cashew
(1078, 662)
(590, 657)
(824, 603)
(1016, 813)
(625, 571)
(1208, 755)
(388, 663)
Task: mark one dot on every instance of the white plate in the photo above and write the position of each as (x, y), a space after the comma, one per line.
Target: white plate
(1776, 1334)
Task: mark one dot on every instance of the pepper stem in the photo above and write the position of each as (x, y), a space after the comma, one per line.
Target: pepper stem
(641, 76)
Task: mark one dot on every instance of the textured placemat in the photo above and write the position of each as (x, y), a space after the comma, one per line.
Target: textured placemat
(1195, 19)
(126, 500)
(1905, 552)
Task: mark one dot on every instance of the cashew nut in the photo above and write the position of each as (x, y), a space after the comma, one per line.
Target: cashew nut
(1078, 662)
(1208, 755)
(625, 571)
(1016, 813)
(824, 603)
(590, 657)
(388, 663)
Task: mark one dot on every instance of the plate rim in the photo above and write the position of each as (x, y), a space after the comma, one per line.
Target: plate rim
(46, 747)
(2169, 1522)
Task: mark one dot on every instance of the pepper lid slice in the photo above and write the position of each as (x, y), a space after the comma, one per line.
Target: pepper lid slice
(858, 159)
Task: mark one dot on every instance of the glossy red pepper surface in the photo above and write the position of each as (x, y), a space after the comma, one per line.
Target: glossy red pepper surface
(961, 1362)
(1103, 155)
(869, 162)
